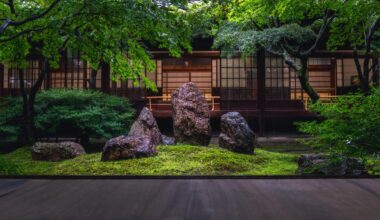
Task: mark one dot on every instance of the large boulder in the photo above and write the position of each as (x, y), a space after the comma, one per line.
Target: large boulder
(126, 147)
(191, 116)
(320, 164)
(56, 151)
(236, 134)
(146, 125)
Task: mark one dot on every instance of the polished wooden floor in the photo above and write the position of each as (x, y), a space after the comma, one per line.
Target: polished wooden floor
(190, 199)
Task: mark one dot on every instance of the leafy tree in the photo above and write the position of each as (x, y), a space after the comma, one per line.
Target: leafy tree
(206, 17)
(291, 29)
(356, 25)
(116, 32)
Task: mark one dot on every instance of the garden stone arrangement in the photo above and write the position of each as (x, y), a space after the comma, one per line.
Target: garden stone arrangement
(146, 125)
(127, 147)
(320, 164)
(236, 134)
(191, 116)
(56, 151)
(141, 141)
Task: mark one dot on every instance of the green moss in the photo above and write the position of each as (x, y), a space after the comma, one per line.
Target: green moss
(171, 160)
(373, 165)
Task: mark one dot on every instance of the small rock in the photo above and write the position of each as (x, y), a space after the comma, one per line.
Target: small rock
(168, 140)
(236, 134)
(56, 151)
(126, 147)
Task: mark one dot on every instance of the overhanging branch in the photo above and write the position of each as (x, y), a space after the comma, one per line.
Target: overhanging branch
(9, 22)
(327, 19)
(2, 40)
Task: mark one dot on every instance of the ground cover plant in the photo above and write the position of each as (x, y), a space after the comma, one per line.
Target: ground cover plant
(170, 160)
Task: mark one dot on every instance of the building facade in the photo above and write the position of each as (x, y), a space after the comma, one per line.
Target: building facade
(259, 87)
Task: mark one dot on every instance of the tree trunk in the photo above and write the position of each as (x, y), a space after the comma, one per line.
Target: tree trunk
(362, 74)
(27, 130)
(303, 77)
(29, 101)
(85, 140)
(92, 80)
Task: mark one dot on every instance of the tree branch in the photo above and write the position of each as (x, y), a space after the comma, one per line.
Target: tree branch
(9, 22)
(368, 42)
(327, 19)
(2, 40)
(12, 7)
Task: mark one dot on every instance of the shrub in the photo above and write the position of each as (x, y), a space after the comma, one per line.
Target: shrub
(10, 119)
(74, 113)
(349, 126)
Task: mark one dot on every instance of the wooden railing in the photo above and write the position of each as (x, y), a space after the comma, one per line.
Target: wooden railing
(168, 98)
(322, 99)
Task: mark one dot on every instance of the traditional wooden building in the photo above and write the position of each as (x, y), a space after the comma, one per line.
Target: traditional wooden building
(260, 87)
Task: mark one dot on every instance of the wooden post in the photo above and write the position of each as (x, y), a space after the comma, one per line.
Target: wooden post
(85, 74)
(49, 76)
(376, 71)
(106, 71)
(333, 76)
(261, 90)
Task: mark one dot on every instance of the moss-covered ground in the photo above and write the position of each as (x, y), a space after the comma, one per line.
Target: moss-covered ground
(170, 160)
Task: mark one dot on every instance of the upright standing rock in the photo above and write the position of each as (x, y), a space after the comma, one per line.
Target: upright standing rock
(191, 116)
(236, 134)
(146, 125)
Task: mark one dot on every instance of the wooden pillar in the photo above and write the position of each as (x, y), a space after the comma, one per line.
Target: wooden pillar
(261, 90)
(333, 76)
(66, 68)
(85, 74)
(376, 71)
(1, 80)
(48, 80)
(106, 72)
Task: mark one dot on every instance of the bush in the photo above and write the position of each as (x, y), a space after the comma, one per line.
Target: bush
(73, 113)
(349, 126)
(10, 119)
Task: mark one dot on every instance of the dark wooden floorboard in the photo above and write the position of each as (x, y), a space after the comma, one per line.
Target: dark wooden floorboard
(190, 199)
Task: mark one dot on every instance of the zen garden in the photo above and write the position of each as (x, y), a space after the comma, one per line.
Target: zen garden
(189, 88)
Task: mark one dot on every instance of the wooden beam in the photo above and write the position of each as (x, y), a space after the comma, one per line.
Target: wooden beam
(165, 54)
